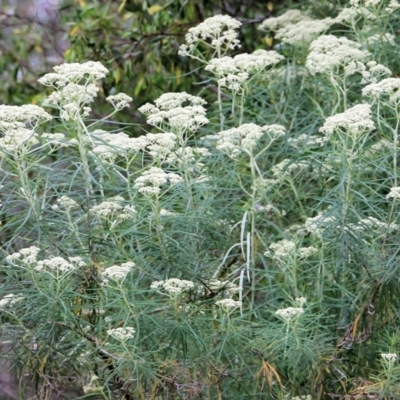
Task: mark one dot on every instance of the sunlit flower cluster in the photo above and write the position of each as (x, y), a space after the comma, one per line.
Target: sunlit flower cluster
(219, 31)
(394, 193)
(117, 272)
(18, 141)
(318, 224)
(122, 334)
(88, 72)
(391, 357)
(59, 265)
(371, 72)
(172, 286)
(386, 88)
(228, 305)
(234, 141)
(119, 101)
(113, 208)
(287, 248)
(304, 31)
(177, 112)
(10, 300)
(65, 202)
(289, 313)
(20, 117)
(287, 18)
(26, 256)
(233, 72)
(330, 53)
(287, 167)
(150, 181)
(354, 121)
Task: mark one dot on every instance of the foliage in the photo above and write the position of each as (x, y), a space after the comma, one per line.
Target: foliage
(244, 247)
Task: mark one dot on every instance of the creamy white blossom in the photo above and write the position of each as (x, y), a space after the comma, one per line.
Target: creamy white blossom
(176, 111)
(289, 313)
(219, 31)
(117, 272)
(330, 53)
(119, 101)
(354, 121)
(10, 300)
(66, 203)
(228, 305)
(275, 23)
(388, 88)
(172, 286)
(122, 334)
(394, 193)
(90, 71)
(304, 31)
(150, 181)
(20, 117)
(18, 141)
(59, 265)
(391, 357)
(244, 138)
(25, 256)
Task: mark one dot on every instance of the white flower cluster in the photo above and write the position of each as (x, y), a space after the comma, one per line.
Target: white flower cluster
(187, 155)
(387, 87)
(234, 141)
(75, 87)
(306, 140)
(171, 112)
(122, 334)
(219, 31)
(330, 53)
(354, 121)
(59, 265)
(391, 357)
(303, 397)
(371, 72)
(318, 224)
(296, 28)
(287, 167)
(65, 202)
(289, 313)
(394, 193)
(217, 285)
(372, 224)
(26, 256)
(172, 286)
(119, 101)
(112, 206)
(117, 272)
(15, 117)
(233, 72)
(18, 125)
(18, 141)
(228, 305)
(55, 139)
(10, 300)
(150, 181)
(287, 248)
(90, 71)
(377, 39)
(287, 18)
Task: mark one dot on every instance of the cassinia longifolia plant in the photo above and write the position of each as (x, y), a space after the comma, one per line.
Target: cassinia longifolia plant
(245, 247)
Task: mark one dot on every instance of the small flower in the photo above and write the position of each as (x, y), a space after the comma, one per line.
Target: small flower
(151, 181)
(119, 101)
(228, 305)
(289, 313)
(354, 121)
(65, 202)
(219, 31)
(394, 193)
(122, 334)
(389, 87)
(301, 301)
(329, 53)
(117, 272)
(10, 300)
(390, 357)
(172, 286)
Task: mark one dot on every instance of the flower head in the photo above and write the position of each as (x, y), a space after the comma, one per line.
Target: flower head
(122, 334)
